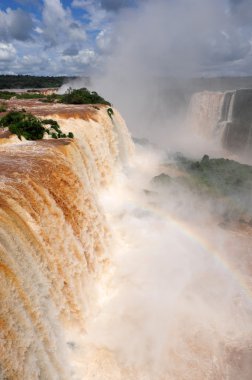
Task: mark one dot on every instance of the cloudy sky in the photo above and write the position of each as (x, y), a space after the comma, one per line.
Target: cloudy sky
(80, 37)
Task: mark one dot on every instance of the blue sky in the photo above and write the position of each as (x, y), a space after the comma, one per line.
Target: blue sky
(50, 37)
(77, 37)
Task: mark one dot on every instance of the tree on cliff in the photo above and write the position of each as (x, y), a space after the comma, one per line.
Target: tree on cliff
(30, 127)
(82, 96)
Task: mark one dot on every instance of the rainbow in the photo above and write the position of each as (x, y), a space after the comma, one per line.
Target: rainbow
(195, 236)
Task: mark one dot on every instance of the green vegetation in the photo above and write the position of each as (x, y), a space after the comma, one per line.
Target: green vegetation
(221, 175)
(225, 183)
(30, 127)
(82, 96)
(6, 95)
(3, 107)
(29, 95)
(110, 112)
(162, 179)
(53, 98)
(29, 81)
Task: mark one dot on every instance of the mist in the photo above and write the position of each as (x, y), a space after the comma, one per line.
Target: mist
(150, 59)
(170, 304)
(175, 301)
(154, 50)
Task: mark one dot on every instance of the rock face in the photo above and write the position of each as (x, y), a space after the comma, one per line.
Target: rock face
(228, 115)
(53, 234)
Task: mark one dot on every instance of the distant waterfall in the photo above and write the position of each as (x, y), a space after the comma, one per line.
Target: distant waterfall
(226, 115)
(205, 110)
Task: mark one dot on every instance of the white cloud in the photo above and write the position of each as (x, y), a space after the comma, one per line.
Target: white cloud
(7, 52)
(59, 27)
(38, 30)
(192, 36)
(15, 24)
(105, 40)
(29, 61)
(84, 57)
(241, 11)
(97, 15)
(185, 37)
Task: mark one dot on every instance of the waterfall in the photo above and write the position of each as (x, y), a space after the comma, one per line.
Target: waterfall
(53, 242)
(205, 111)
(230, 106)
(222, 126)
(226, 110)
(225, 116)
(105, 276)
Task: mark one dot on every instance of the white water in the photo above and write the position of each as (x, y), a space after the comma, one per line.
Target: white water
(166, 309)
(103, 280)
(205, 111)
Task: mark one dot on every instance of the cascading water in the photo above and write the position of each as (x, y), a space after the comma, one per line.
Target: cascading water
(225, 117)
(227, 107)
(168, 306)
(105, 276)
(205, 111)
(53, 239)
